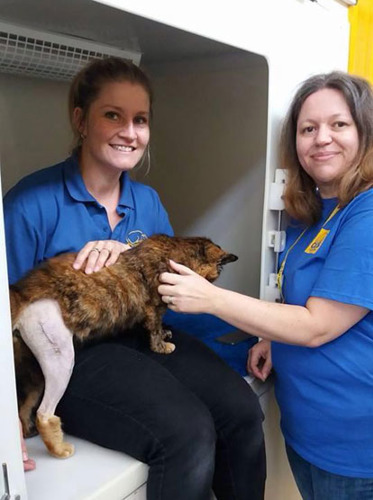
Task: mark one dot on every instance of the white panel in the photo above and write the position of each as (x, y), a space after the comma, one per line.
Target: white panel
(10, 446)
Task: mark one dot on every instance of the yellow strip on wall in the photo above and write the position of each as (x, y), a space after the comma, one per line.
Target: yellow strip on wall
(361, 39)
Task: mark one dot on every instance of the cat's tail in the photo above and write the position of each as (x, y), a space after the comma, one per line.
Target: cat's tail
(16, 305)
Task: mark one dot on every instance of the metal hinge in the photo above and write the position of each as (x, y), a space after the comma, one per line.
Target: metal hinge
(7, 495)
(271, 291)
(277, 240)
(277, 237)
(276, 190)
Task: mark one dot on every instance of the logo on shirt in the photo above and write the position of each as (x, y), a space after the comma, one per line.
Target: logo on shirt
(317, 241)
(135, 237)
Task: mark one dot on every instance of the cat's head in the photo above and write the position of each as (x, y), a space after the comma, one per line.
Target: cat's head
(198, 253)
(209, 258)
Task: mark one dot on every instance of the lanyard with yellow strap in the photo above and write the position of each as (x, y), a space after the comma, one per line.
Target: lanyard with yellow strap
(312, 247)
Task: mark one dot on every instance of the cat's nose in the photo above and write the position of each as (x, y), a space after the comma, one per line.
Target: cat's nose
(229, 257)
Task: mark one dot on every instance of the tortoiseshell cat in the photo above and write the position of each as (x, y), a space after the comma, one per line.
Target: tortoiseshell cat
(54, 303)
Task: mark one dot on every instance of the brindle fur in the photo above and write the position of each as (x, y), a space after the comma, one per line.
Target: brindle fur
(115, 298)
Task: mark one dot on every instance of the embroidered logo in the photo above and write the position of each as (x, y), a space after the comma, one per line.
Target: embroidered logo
(135, 237)
(317, 241)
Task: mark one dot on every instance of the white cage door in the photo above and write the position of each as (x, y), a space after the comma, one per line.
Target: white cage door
(12, 483)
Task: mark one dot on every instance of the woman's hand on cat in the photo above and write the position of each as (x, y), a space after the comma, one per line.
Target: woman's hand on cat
(186, 291)
(98, 254)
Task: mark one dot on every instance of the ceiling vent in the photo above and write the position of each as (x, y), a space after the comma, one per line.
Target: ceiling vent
(28, 52)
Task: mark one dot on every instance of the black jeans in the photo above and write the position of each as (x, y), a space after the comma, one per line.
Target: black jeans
(189, 416)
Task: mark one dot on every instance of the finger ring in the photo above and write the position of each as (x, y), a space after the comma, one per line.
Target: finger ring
(95, 248)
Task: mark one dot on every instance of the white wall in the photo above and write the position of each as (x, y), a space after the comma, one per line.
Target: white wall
(209, 147)
(34, 130)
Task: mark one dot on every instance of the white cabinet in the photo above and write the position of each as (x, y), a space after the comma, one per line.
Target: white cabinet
(223, 76)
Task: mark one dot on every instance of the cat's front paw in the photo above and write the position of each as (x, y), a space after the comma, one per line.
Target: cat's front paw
(167, 347)
(161, 347)
(166, 334)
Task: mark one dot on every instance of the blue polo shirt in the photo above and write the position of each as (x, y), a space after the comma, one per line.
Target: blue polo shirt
(326, 393)
(51, 211)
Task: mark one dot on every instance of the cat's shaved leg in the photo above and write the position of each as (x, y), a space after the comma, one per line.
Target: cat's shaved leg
(42, 328)
(153, 324)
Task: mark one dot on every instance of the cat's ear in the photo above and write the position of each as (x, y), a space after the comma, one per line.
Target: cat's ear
(228, 257)
(165, 266)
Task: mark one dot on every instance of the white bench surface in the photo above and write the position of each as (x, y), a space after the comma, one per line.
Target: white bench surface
(92, 473)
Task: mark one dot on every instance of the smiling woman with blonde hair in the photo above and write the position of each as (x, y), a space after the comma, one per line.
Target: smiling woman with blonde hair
(188, 415)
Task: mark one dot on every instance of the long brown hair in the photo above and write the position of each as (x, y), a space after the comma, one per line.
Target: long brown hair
(301, 199)
(89, 81)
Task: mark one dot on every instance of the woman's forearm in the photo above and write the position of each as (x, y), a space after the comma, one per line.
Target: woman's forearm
(319, 321)
(269, 320)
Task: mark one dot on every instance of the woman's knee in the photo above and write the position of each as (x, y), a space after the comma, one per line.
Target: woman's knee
(191, 433)
(251, 411)
(184, 462)
(242, 422)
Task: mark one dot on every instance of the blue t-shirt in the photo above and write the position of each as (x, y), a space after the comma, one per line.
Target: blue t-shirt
(51, 211)
(326, 393)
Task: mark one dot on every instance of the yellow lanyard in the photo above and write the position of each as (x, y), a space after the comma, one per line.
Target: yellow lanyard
(280, 274)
